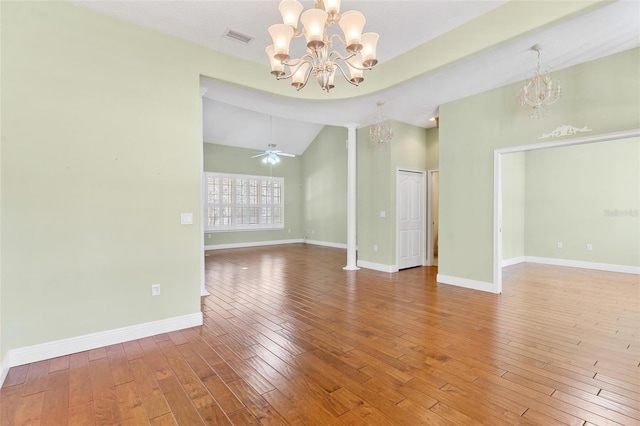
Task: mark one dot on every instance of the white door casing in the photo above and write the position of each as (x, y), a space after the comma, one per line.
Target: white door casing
(410, 218)
(432, 216)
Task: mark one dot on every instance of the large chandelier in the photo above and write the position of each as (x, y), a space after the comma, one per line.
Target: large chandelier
(381, 131)
(539, 91)
(319, 59)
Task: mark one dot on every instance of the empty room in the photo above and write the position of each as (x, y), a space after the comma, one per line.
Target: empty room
(320, 212)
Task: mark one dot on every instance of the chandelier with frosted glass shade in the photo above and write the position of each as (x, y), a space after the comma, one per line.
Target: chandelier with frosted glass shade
(540, 90)
(381, 131)
(319, 59)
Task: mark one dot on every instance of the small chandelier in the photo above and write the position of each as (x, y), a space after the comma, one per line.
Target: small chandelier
(381, 131)
(539, 91)
(319, 59)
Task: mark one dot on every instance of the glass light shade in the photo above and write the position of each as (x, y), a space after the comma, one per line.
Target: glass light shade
(290, 11)
(355, 73)
(281, 34)
(333, 9)
(277, 68)
(325, 78)
(332, 6)
(314, 21)
(369, 45)
(299, 76)
(352, 22)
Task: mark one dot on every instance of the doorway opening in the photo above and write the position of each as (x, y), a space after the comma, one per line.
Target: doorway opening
(498, 188)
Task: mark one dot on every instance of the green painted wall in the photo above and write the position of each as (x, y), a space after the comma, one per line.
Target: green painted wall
(602, 94)
(227, 159)
(572, 194)
(324, 169)
(2, 350)
(433, 143)
(513, 205)
(101, 152)
(376, 188)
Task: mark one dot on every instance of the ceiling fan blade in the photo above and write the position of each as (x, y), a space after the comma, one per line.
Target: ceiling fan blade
(262, 154)
(284, 154)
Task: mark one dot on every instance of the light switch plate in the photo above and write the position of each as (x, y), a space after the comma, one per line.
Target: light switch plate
(186, 218)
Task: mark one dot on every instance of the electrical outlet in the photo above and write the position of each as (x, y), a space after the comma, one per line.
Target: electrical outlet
(155, 290)
(559, 244)
(375, 247)
(589, 247)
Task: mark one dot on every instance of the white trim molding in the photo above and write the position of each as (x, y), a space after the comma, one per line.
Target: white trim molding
(377, 266)
(87, 342)
(565, 130)
(466, 283)
(4, 369)
(625, 269)
(326, 244)
(253, 244)
(512, 261)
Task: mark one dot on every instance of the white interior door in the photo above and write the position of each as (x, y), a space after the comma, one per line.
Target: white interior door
(411, 220)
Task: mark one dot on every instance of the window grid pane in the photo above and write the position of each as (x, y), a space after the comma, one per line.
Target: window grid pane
(237, 202)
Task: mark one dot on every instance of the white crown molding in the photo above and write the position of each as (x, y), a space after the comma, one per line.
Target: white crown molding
(565, 130)
(87, 342)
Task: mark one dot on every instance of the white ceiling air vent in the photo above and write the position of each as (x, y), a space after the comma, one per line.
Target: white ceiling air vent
(237, 36)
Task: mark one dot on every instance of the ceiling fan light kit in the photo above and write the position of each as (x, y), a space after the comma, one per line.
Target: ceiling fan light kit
(320, 60)
(271, 155)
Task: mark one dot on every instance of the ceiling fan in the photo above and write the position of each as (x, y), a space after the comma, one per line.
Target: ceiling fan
(272, 155)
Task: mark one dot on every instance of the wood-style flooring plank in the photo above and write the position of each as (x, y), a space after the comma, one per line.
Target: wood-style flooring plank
(105, 400)
(16, 376)
(56, 399)
(80, 390)
(290, 338)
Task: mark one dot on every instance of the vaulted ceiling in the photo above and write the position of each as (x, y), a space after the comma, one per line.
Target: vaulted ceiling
(430, 52)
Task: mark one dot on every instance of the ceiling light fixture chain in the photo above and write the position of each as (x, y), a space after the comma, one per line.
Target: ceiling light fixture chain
(320, 60)
(272, 155)
(540, 90)
(381, 131)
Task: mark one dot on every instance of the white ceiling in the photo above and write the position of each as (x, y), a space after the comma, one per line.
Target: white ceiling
(241, 117)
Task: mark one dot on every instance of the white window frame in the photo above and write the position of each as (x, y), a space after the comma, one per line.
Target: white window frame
(250, 212)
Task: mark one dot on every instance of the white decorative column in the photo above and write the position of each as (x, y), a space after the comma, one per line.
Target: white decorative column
(351, 197)
(203, 288)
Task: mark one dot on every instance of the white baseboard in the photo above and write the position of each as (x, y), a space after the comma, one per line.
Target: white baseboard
(512, 261)
(326, 244)
(252, 244)
(585, 265)
(87, 342)
(377, 266)
(466, 283)
(4, 369)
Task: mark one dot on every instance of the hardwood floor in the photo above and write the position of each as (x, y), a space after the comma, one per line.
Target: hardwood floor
(291, 338)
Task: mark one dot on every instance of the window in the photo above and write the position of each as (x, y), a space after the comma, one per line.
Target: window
(242, 202)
